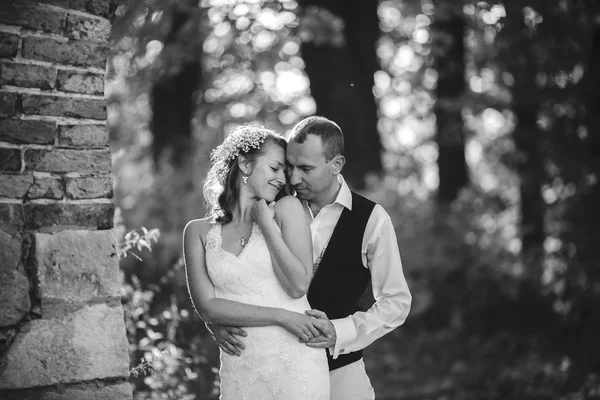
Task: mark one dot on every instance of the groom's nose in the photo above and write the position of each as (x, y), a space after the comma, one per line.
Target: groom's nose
(294, 178)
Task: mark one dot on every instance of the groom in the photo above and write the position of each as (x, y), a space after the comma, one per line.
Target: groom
(354, 248)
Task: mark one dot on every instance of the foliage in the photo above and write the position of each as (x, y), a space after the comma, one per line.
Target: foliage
(133, 240)
(170, 350)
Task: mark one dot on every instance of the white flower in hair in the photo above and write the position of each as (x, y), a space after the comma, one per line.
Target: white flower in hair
(240, 141)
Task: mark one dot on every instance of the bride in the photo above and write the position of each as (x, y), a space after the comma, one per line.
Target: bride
(249, 264)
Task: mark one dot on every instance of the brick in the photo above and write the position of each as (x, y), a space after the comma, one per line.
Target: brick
(27, 75)
(15, 186)
(86, 391)
(8, 104)
(82, 27)
(98, 7)
(14, 286)
(47, 104)
(11, 216)
(27, 131)
(89, 187)
(81, 53)
(95, 215)
(32, 15)
(14, 297)
(46, 187)
(76, 266)
(7, 336)
(83, 135)
(10, 257)
(103, 8)
(84, 345)
(58, 3)
(10, 160)
(77, 82)
(9, 45)
(64, 160)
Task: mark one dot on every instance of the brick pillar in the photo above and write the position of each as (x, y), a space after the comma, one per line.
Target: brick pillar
(62, 334)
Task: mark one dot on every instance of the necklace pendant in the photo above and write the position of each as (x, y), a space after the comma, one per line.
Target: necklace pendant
(243, 242)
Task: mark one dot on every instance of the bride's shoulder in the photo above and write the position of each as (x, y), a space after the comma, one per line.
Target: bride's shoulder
(288, 207)
(198, 227)
(288, 203)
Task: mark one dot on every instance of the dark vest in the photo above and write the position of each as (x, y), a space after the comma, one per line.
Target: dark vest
(341, 279)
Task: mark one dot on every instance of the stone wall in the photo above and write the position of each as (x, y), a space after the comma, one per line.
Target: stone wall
(62, 334)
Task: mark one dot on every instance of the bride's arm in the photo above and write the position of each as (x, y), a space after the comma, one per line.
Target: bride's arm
(292, 253)
(227, 312)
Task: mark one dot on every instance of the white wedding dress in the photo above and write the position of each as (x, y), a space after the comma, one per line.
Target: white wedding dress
(274, 365)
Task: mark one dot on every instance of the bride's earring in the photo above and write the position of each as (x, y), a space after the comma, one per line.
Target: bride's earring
(245, 179)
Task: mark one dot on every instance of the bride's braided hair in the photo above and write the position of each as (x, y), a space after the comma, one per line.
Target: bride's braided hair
(221, 187)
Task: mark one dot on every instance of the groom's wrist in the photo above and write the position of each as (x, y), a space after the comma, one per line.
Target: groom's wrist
(345, 334)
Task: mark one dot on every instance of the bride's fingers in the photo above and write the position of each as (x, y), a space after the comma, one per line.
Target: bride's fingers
(316, 314)
(314, 331)
(301, 334)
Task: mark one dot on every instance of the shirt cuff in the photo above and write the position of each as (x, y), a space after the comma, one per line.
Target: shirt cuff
(345, 332)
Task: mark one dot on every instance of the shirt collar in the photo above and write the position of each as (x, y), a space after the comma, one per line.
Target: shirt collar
(344, 196)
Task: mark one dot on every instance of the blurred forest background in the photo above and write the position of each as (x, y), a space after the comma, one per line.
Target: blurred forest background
(476, 124)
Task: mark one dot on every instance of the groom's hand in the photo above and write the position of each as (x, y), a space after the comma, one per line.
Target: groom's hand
(321, 322)
(227, 338)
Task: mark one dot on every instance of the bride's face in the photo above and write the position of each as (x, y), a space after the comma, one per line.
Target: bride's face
(268, 173)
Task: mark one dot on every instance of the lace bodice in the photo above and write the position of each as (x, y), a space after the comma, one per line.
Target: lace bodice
(248, 277)
(274, 365)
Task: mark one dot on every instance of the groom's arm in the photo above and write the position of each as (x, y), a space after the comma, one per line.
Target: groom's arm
(227, 338)
(390, 290)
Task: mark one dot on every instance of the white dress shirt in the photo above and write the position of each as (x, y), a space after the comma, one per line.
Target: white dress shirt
(381, 255)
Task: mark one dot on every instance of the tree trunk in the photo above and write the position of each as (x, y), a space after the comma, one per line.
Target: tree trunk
(584, 222)
(593, 99)
(518, 55)
(173, 105)
(449, 61)
(530, 167)
(174, 93)
(341, 82)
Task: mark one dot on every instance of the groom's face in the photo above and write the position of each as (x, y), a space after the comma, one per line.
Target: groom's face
(308, 170)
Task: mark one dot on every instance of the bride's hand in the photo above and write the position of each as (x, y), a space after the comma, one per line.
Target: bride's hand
(263, 213)
(299, 324)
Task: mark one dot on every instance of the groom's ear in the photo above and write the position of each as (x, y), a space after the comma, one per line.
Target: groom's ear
(337, 164)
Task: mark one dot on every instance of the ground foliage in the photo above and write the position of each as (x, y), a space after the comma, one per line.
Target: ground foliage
(490, 319)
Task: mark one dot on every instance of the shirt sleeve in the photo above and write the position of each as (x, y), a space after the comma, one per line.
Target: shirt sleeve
(392, 297)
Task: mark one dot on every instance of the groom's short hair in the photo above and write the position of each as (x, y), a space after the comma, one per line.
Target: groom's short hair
(330, 133)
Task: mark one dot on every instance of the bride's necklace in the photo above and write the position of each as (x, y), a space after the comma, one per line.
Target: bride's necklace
(242, 240)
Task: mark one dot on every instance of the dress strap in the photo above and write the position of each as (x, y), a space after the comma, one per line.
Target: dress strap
(213, 237)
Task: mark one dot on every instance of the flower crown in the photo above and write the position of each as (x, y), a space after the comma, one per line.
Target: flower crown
(240, 141)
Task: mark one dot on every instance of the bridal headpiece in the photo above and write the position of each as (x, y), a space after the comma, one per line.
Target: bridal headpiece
(240, 141)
